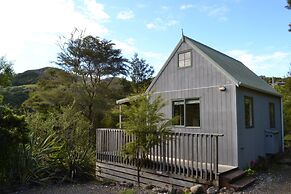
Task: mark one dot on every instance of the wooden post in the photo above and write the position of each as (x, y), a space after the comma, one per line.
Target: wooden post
(216, 158)
(120, 116)
(211, 160)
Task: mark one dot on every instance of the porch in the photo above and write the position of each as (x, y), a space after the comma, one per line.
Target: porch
(181, 160)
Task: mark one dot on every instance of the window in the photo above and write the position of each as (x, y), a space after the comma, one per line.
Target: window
(187, 112)
(249, 114)
(272, 114)
(178, 112)
(184, 59)
(192, 113)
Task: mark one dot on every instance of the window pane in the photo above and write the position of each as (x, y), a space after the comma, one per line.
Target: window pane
(187, 55)
(181, 63)
(187, 63)
(178, 112)
(192, 113)
(248, 101)
(272, 115)
(181, 57)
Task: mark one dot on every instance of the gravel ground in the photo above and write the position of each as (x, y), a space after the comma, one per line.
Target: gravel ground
(276, 181)
(91, 187)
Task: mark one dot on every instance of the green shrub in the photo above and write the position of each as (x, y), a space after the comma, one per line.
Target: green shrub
(61, 149)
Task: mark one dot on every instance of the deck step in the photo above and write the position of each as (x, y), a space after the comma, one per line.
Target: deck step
(233, 175)
(242, 183)
(228, 177)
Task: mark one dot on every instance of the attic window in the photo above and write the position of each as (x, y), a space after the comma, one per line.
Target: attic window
(184, 59)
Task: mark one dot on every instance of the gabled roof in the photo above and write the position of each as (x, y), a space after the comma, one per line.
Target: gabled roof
(232, 68)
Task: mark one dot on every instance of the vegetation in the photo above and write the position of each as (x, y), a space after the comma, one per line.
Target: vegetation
(6, 72)
(285, 91)
(48, 116)
(140, 73)
(96, 63)
(147, 124)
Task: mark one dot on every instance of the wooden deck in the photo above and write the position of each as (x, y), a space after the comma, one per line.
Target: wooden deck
(184, 159)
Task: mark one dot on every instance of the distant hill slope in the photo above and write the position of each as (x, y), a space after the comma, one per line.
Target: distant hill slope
(22, 85)
(30, 76)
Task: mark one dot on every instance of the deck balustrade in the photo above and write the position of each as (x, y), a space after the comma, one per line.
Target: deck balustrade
(191, 155)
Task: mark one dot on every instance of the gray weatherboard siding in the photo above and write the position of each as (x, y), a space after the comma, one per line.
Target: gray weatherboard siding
(217, 108)
(251, 140)
(220, 111)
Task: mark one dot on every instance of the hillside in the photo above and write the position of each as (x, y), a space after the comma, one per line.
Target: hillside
(22, 85)
(29, 76)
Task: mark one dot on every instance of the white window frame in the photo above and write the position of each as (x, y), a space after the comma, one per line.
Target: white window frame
(185, 59)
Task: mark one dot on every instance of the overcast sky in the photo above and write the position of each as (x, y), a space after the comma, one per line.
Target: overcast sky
(254, 32)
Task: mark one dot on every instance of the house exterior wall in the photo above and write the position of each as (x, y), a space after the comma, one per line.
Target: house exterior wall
(251, 141)
(217, 108)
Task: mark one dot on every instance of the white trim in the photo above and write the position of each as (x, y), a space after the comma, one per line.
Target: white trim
(187, 89)
(282, 123)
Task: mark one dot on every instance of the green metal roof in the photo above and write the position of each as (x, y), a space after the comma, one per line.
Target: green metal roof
(235, 69)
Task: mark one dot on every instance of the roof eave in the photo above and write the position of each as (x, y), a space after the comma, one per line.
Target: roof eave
(260, 90)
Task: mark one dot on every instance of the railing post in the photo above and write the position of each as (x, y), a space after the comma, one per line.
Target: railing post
(216, 159)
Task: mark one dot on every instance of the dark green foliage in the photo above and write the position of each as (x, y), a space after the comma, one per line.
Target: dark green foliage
(14, 96)
(285, 91)
(6, 72)
(144, 120)
(13, 141)
(96, 62)
(140, 73)
(60, 147)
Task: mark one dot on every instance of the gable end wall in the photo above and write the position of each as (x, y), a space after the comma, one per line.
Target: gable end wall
(217, 108)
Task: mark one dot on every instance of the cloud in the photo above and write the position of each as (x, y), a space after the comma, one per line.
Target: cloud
(96, 10)
(160, 24)
(127, 46)
(276, 62)
(125, 15)
(38, 24)
(186, 6)
(215, 11)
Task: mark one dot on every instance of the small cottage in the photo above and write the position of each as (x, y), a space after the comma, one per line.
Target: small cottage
(227, 118)
(213, 93)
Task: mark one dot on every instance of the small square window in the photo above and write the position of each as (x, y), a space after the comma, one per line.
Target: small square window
(184, 59)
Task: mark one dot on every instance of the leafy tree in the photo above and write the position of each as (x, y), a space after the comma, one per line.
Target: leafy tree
(140, 73)
(55, 88)
(13, 141)
(144, 120)
(285, 91)
(6, 72)
(96, 63)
